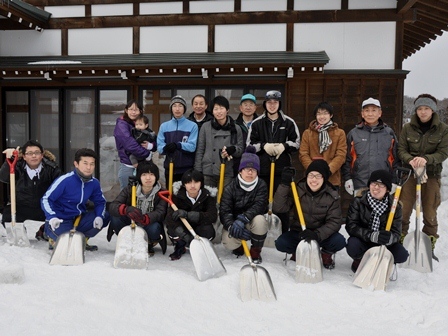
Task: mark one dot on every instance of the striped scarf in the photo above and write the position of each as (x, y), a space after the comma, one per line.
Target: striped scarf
(324, 138)
(378, 208)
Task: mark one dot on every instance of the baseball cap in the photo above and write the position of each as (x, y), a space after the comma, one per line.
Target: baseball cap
(371, 101)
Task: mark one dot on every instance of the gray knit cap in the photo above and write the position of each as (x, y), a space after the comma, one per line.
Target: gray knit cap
(178, 99)
(424, 101)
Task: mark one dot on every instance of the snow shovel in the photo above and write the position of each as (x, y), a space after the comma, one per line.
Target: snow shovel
(132, 242)
(255, 282)
(308, 257)
(217, 225)
(205, 260)
(376, 265)
(15, 232)
(274, 222)
(170, 175)
(418, 243)
(69, 248)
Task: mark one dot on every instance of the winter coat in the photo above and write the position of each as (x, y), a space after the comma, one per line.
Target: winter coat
(284, 130)
(358, 218)
(126, 144)
(433, 145)
(157, 206)
(205, 205)
(369, 149)
(208, 117)
(335, 155)
(240, 121)
(212, 138)
(181, 131)
(322, 212)
(29, 191)
(68, 195)
(236, 201)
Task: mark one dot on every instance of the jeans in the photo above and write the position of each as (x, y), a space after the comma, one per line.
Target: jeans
(153, 230)
(123, 175)
(289, 240)
(357, 247)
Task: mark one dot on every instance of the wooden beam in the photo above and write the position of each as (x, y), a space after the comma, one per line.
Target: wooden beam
(399, 34)
(136, 40)
(404, 5)
(290, 37)
(436, 13)
(414, 31)
(64, 42)
(211, 38)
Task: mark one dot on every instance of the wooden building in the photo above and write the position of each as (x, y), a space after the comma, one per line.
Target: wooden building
(68, 67)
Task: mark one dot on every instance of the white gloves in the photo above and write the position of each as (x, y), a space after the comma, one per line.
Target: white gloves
(349, 187)
(9, 151)
(98, 223)
(274, 149)
(54, 223)
(419, 171)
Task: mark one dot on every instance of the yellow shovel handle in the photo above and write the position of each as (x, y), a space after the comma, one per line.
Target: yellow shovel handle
(295, 195)
(77, 220)
(170, 176)
(133, 201)
(246, 249)
(222, 171)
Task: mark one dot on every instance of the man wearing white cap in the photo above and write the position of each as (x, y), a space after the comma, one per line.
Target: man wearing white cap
(424, 146)
(371, 145)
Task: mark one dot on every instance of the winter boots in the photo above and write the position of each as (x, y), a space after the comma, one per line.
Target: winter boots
(255, 253)
(179, 249)
(40, 234)
(161, 241)
(91, 247)
(327, 259)
(433, 246)
(238, 251)
(355, 265)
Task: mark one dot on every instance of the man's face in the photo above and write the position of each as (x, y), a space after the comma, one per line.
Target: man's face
(424, 113)
(199, 106)
(371, 114)
(86, 165)
(193, 188)
(33, 156)
(323, 116)
(248, 108)
(272, 105)
(249, 174)
(178, 110)
(148, 180)
(220, 113)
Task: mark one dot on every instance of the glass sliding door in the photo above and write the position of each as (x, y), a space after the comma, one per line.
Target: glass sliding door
(17, 118)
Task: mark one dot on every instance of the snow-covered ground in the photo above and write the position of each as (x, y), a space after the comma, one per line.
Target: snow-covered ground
(167, 299)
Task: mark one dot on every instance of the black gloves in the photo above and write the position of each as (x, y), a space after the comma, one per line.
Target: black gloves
(179, 213)
(134, 214)
(193, 217)
(239, 231)
(231, 150)
(382, 237)
(170, 148)
(308, 235)
(288, 174)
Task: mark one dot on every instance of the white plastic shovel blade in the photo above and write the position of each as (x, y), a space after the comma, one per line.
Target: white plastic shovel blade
(375, 269)
(132, 248)
(308, 263)
(419, 247)
(16, 235)
(256, 284)
(69, 249)
(206, 262)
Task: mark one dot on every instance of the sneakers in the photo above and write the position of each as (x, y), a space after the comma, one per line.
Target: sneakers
(255, 253)
(110, 233)
(327, 260)
(355, 265)
(238, 251)
(151, 251)
(402, 238)
(433, 246)
(179, 249)
(91, 247)
(51, 244)
(40, 234)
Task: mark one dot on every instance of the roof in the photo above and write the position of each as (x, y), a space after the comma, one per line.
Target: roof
(163, 64)
(19, 14)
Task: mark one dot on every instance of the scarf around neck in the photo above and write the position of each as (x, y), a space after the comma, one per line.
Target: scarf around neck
(247, 186)
(378, 208)
(324, 137)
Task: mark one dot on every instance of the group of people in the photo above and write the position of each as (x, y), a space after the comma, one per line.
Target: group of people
(363, 162)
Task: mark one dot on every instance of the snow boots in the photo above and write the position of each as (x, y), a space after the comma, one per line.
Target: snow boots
(179, 249)
(327, 259)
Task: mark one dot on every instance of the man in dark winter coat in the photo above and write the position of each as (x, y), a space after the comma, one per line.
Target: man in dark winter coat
(367, 218)
(197, 204)
(150, 209)
(200, 114)
(35, 171)
(321, 208)
(275, 136)
(243, 204)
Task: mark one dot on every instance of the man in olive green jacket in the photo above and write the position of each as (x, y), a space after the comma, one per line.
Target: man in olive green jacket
(423, 144)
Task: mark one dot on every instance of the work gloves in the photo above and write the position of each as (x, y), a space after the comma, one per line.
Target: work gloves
(54, 223)
(274, 149)
(308, 235)
(288, 174)
(10, 151)
(238, 228)
(134, 214)
(381, 237)
(349, 186)
(193, 217)
(419, 171)
(170, 148)
(98, 223)
(231, 150)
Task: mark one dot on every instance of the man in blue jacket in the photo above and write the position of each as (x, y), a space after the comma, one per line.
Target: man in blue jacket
(67, 198)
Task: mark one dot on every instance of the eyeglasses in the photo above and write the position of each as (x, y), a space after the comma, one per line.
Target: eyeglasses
(377, 185)
(33, 153)
(249, 170)
(322, 113)
(315, 176)
(133, 109)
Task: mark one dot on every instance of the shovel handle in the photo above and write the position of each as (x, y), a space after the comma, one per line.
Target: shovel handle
(171, 175)
(295, 195)
(162, 195)
(222, 171)
(12, 162)
(403, 176)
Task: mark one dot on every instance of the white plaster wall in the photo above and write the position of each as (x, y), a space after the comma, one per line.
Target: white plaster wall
(263, 5)
(66, 11)
(256, 37)
(360, 45)
(369, 4)
(100, 41)
(212, 6)
(176, 39)
(30, 43)
(112, 10)
(161, 8)
(317, 5)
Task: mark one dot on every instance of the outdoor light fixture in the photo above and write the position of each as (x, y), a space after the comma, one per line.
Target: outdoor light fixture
(204, 73)
(123, 75)
(290, 73)
(47, 76)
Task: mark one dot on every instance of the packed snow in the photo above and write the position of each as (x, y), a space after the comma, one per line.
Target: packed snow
(166, 298)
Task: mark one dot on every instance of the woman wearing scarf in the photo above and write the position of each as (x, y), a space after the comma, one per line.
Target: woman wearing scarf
(325, 140)
(367, 218)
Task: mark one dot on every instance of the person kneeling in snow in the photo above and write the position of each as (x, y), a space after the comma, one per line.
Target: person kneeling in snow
(197, 204)
(67, 199)
(150, 209)
(243, 203)
(367, 219)
(321, 209)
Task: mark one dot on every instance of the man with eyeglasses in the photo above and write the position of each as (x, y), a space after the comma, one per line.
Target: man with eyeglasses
(275, 136)
(35, 171)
